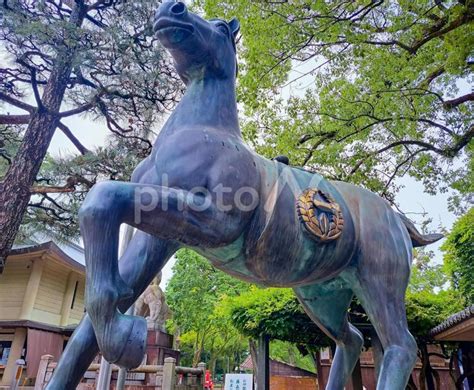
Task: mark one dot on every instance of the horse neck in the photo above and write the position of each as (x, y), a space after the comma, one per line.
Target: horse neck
(208, 102)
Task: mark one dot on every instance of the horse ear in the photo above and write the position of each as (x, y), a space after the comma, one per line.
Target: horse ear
(234, 25)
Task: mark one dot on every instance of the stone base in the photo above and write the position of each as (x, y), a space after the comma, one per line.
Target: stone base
(159, 346)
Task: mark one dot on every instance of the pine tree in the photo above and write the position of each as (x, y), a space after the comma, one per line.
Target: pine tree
(74, 57)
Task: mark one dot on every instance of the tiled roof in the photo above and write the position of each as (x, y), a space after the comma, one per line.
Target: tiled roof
(455, 319)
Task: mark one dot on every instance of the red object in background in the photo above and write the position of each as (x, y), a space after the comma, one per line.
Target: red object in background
(208, 383)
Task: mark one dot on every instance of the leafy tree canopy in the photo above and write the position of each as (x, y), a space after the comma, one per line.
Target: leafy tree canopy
(386, 88)
(459, 256)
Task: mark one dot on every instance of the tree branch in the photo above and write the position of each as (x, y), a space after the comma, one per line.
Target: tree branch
(16, 103)
(464, 18)
(448, 152)
(68, 133)
(14, 119)
(433, 75)
(70, 186)
(460, 100)
(80, 109)
(391, 43)
(34, 82)
(51, 190)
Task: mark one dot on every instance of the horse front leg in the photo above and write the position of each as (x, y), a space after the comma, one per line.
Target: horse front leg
(170, 214)
(144, 257)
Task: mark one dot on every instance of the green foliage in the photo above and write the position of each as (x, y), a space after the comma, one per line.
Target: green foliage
(429, 299)
(425, 310)
(289, 353)
(426, 276)
(194, 294)
(275, 312)
(360, 91)
(459, 256)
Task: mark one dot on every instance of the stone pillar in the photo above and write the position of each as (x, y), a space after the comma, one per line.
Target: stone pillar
(263, 363)
(202, 367)
(169, 374)
(15, 354)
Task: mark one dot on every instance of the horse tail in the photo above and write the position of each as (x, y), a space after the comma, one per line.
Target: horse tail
(418, 239)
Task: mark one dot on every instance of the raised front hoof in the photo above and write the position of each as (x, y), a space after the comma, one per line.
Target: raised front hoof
(131, 352)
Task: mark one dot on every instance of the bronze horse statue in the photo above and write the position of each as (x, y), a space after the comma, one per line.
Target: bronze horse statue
(259, 220)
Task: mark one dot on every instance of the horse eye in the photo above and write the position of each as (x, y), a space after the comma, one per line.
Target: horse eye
(223, 29)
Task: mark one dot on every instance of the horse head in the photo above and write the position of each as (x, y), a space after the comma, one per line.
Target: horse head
(200, 48)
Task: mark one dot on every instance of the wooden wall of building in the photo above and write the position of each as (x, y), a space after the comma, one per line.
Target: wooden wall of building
(13, 284)
(41, 289)
(293, 383)
(77, 311)
(51, 291)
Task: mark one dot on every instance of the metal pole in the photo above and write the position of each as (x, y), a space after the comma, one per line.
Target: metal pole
(263, 363)
(105, 375)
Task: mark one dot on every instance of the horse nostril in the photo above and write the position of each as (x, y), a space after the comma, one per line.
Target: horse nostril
(178, 9)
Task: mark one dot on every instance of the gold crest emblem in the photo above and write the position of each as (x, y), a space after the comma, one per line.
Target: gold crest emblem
(320, 215)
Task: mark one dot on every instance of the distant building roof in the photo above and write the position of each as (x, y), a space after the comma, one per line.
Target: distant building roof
(71, 249)
(70, 255)
(458, 327)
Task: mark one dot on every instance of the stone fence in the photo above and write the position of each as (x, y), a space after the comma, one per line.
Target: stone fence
(165, 377)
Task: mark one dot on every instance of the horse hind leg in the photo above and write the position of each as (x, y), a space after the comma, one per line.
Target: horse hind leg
(327, 307)
(381, 289)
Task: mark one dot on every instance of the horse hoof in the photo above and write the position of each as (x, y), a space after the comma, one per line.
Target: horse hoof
(133, 349)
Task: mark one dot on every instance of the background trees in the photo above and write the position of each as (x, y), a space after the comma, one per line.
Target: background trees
(459, 256)
(362, 91)
(67, 58)
(194, 294)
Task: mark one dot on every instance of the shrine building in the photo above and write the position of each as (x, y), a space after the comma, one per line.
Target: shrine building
(41, 303)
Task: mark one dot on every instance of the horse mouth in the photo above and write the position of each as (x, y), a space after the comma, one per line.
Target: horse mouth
(172, 30)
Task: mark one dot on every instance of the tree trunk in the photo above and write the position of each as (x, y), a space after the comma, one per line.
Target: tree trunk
(212, 364)
(198, 347)
(15, 188)
(197, 356)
